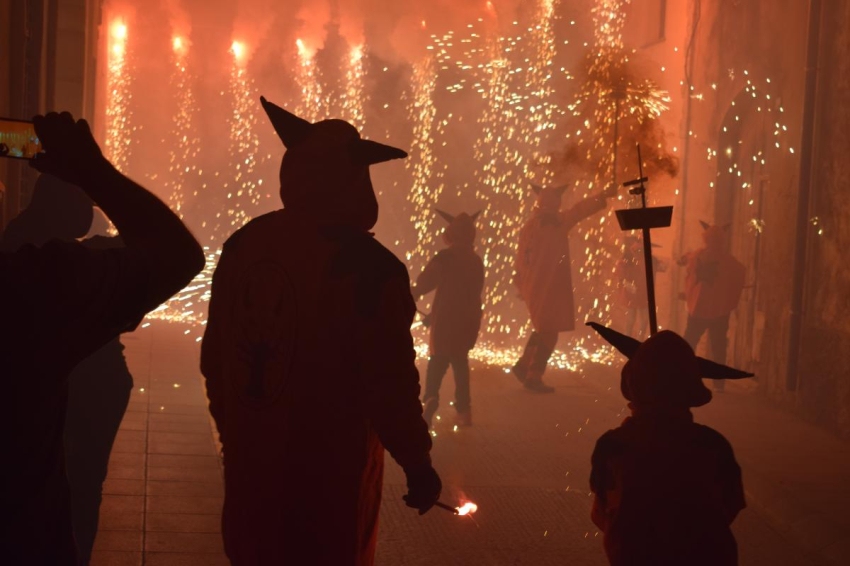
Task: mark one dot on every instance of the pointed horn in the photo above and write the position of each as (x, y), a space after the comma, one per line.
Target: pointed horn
(446, 216)
(475, 216)
(367, 152)
(705, 225)
(536, 188)
(627, 346)
(291, 129)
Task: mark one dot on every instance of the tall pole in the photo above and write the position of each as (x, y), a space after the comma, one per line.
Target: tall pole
(647, 257)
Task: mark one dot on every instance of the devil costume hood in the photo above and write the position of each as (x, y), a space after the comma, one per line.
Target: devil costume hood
(714, 279)
(308, 359)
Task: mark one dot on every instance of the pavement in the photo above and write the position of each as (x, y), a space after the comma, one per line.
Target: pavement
(525, 463)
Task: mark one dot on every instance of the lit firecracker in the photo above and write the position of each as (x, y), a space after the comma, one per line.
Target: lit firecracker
(467, 508)
(119, 86)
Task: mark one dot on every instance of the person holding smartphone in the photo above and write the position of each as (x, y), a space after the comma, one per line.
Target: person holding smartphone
(61, 302)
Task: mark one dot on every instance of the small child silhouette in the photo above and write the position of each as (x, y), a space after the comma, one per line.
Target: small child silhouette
(667, 489)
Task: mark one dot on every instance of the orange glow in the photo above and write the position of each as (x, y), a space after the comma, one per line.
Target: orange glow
(178, 43)
(467, 508)
(119, 31)
(238, 49)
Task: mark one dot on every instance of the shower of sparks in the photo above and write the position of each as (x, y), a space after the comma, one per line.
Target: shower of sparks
(354, 96)
(309, 106)
(184, 143)
(118, 84)
(243, 187)
(320, 101)
(749, 169)
(190, 304)
(427, 175)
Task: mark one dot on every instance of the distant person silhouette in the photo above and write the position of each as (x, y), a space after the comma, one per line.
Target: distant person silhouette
(667, 489)
(457, 275)
(713, 286)
(543, 277)
(62, 302)
(309, 361)
(99, 387)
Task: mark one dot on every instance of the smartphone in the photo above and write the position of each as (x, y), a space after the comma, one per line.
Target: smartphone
(18, 139)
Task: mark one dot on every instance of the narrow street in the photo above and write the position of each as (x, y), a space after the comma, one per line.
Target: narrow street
(525, 462)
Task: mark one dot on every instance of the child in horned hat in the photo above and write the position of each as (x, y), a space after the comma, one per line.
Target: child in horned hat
(666, 489)
(713, 286)
(457, 275)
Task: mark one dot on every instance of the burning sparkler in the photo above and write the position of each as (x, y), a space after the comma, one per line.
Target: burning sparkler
(467, 508)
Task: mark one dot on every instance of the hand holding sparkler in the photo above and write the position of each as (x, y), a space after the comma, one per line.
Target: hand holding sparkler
(423, 488)
(468, 508)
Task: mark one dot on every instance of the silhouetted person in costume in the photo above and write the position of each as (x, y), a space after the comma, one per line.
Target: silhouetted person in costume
(63, 302)
(99, 387)
(631, 293)
(666, 489)
(713, 286)
(309, 361)
(543, 277)
(457, 275)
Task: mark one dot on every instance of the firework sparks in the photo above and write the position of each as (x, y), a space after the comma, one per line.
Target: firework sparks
(119, 86)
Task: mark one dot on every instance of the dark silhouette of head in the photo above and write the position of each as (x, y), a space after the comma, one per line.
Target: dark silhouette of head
(57, 211)
(324, 173)
(664, 372)
(715, 237)
(549, 198)
(461, 228)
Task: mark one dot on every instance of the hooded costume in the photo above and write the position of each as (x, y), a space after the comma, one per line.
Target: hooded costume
(713, 286)
(457, 274)
(309, 361)
(543, 276)
(666, 489)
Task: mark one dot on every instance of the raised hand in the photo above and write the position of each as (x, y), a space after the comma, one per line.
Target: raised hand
(70, 150)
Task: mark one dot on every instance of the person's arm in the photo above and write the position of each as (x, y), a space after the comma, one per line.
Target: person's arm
(213, 344)
(587, 207)
(391, 387)
(429, 278)
(600, 482)
(169, 254)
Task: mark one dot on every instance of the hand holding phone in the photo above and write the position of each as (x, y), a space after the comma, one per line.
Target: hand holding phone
(18, 139)
(70, 150)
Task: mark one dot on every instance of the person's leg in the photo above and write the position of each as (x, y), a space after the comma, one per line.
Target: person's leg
(463, 404)
(694, 331)
(537, 365)
(717, 330)
(97, 401)
(437, 366)
(520, 369)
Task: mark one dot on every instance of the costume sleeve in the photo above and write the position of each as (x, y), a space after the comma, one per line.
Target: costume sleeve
(601, 481)
(430, 276)
(212, 344)
(581, 210)
(729, 478)
(391, 378)
(79, 298)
